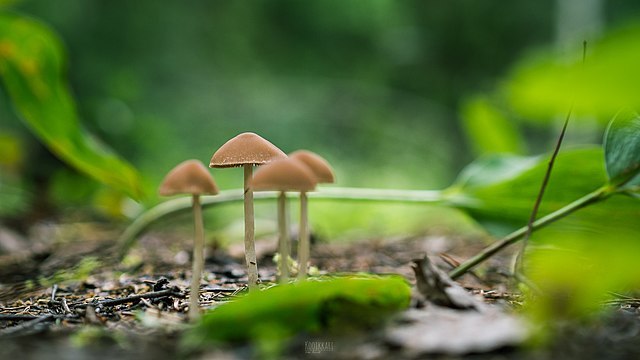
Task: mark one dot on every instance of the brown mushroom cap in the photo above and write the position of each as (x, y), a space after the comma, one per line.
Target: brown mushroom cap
(188, 177)
(316, 163)
(246, 148)
(284, 175)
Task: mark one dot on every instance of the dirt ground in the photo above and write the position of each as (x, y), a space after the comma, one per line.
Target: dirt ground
(137, 309)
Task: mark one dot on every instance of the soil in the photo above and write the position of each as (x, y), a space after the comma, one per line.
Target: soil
(137, 309)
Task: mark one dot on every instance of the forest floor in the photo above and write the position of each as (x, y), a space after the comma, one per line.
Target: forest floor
(89, 306)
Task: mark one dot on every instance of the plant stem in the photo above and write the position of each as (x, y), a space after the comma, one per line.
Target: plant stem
(591, 198)
(182, 204)
(249, 230)
(303, 240)
(198, 259)
(283, 239)
(518, 265)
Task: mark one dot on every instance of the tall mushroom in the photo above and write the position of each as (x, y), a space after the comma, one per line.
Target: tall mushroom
(192, 177)
(324, 174)
(246, 150)
(284, 175)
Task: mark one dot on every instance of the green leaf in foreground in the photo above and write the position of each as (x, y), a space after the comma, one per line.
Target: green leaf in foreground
(31, 67)
(622, 149)
(502, 189)
(334, 305)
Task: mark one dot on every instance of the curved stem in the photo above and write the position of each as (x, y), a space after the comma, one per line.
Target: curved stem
(591, 198)
(303, 238)
(198, 260)
(183, 204)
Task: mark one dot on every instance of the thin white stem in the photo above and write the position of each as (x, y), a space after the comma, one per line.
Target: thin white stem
(283, 240)
(198, 260)
(249, 242)
(303, 241)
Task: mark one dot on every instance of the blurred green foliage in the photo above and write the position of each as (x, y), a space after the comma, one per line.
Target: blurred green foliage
(488, 129)
(31, 62)
(371, 86)
(545, 85)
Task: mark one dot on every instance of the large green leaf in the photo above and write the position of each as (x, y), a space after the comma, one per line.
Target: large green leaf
(543, 85)
(622, 149)
(31, 67)
(510, 197)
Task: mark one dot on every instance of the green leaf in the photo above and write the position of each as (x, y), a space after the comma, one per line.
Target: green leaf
(622, 149)
(543, 85)
(488, 129)
(338, 304)
(31, 67)
(502, 189)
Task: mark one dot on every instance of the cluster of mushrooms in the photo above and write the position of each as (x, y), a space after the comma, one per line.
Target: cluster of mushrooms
(300, 172)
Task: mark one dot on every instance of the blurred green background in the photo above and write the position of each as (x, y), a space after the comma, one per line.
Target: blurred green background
(395, 94)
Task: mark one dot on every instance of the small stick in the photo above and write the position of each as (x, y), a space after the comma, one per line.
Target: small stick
(26, 325)
(17, 317)
(303, 243)
(150, 295)
(283, 240)
(249, 230)
(65, 306)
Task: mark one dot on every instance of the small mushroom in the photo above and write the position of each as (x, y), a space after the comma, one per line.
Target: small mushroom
(192, 177)
(284, 175)
(324, 174)
(246, 150)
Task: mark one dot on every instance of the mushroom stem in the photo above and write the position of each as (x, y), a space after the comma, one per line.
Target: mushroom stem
(249, 242)
(283, 240)
(303, 242)
(198, 259)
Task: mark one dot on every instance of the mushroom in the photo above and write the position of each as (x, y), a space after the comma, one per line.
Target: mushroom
(284, 175)
(246, 150)
(192, 177)
(324, 174)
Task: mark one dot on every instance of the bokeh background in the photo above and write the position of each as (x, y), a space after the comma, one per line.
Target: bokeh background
(392, 93)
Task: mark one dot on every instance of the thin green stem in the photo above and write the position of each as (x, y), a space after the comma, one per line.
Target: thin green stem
(591, 198)
(183, 204)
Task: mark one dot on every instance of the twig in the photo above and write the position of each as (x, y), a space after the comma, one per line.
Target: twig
(26, 325)
(133, 298)
(17, 317)
(65, 306)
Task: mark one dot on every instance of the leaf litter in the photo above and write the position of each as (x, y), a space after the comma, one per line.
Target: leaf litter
(138, 310)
